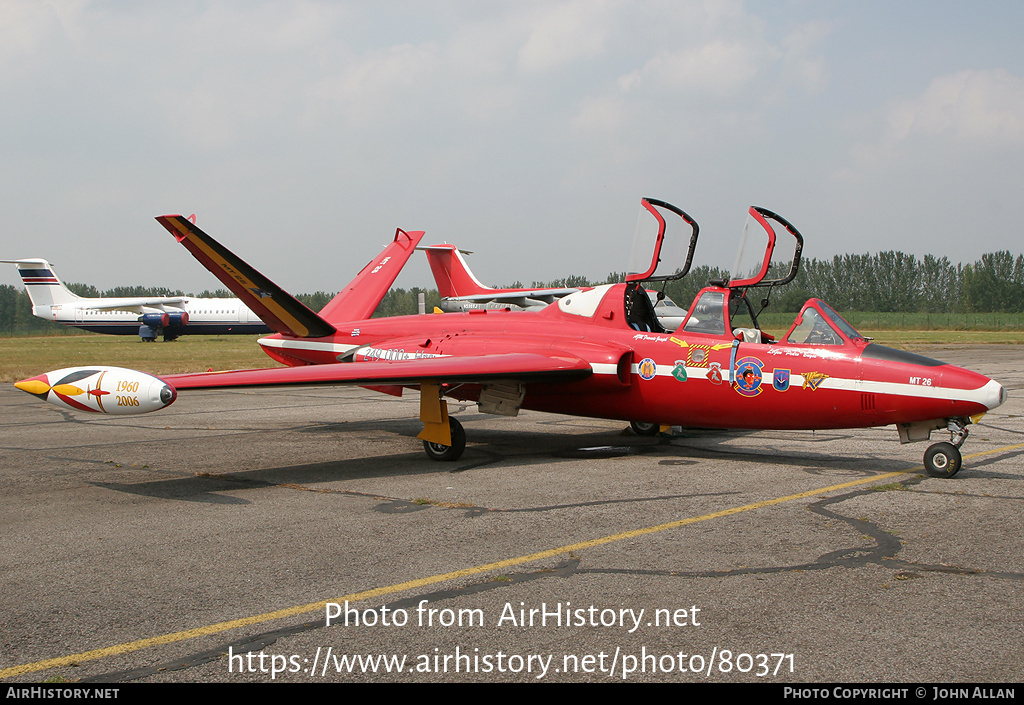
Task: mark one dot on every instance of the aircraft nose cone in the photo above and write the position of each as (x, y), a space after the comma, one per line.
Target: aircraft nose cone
(993, 394)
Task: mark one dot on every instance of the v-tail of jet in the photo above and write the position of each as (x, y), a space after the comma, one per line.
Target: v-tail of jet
(280, 310)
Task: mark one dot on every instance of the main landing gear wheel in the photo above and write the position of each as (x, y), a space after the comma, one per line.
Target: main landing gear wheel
(436, 451)
(942, 460)
(644, 429)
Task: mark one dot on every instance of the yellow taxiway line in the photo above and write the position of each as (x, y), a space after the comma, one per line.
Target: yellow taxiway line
(442, 577)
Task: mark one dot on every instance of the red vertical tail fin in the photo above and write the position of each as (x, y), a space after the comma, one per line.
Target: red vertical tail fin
(451, 273)
(361, 296)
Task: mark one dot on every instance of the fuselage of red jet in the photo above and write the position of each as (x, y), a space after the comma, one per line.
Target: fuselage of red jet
(680, 378)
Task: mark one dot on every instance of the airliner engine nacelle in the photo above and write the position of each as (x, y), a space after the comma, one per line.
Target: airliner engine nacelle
(170, 323)
(104, 390)
(155, 320)
(177, 319)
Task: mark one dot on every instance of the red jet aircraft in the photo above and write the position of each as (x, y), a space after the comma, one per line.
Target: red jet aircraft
(599, 352)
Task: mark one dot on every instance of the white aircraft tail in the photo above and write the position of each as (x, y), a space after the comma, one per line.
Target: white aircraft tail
(42, 284)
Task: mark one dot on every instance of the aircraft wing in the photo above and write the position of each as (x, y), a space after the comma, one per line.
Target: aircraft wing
(135, 304)
(520, 297)
(523, 367)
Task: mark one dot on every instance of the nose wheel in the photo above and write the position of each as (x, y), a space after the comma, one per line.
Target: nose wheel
(944, 459)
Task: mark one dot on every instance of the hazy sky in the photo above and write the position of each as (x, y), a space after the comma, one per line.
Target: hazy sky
(303, 133)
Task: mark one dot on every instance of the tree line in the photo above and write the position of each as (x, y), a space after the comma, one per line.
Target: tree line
(890, 281)
(16, 308)
(884, 282)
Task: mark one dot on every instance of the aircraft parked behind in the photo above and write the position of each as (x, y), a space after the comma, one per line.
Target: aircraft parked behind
(460, 290)
(147, 316)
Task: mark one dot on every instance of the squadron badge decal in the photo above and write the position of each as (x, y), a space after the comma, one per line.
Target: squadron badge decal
(780, 380)
(812, 380)
(647, 369)
(715, 373)
(679, 371)
(748, 376)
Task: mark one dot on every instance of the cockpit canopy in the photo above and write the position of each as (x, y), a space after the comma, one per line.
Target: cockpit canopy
(659, 243)
(819, 324)
(757, 245)
(707, 315)
(720, 311)
(727, 308)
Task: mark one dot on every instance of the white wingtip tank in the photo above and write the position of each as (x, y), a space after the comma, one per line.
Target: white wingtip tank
(104, 390)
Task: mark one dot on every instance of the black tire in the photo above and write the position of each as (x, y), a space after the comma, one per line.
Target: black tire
(644, 429)
(942, 460)
(436, 451)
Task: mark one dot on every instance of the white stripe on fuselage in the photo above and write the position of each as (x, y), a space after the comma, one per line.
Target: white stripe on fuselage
(984, 395)
(305, 345)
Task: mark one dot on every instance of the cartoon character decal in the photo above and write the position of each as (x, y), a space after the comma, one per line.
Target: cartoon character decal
(748, 377)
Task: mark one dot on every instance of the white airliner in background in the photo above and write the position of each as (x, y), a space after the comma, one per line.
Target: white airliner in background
(146, 316)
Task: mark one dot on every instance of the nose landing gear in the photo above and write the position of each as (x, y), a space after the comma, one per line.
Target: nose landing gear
(944, 459)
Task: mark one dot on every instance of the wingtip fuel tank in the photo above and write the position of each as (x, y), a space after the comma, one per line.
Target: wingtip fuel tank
(104, 390)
